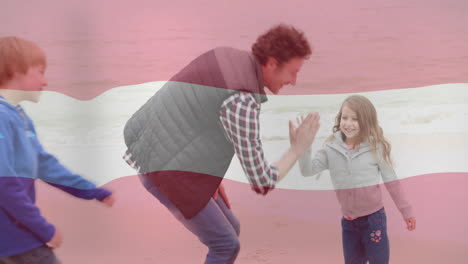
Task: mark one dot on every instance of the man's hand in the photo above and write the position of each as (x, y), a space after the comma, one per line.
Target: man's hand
(223, 195)
(293, 129)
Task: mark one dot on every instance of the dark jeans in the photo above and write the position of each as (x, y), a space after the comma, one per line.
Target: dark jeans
(365, 239)
(40, 255)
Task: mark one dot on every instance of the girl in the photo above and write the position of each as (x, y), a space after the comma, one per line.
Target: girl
(356, 154)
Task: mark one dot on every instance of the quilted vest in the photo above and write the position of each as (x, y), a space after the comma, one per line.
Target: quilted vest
(176, 137)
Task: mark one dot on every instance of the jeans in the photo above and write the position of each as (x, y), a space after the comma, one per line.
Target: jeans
(215, 226)
(40, 255)
(365, 239)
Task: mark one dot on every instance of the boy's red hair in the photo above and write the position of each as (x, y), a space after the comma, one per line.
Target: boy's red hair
(17, 55)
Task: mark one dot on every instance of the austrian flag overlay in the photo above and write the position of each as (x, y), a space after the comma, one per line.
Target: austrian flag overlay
(107, 58)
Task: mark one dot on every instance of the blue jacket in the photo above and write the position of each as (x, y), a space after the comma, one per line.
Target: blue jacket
(22, 161)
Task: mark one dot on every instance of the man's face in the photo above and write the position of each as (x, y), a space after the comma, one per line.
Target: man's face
(276, 76)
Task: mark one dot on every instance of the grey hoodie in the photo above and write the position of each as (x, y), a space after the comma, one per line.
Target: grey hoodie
(355, 175)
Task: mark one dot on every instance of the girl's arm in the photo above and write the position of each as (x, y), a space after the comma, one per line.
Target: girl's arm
(394, 187)
(309, 166)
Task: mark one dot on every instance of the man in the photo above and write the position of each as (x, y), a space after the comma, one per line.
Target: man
(183, 139)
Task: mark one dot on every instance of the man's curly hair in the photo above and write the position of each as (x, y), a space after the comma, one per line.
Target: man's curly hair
(283, 43)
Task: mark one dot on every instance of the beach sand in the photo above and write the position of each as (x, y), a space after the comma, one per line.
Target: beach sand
(286, 226)
(304, 228)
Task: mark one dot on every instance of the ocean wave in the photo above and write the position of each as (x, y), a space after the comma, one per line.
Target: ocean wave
(63, 120)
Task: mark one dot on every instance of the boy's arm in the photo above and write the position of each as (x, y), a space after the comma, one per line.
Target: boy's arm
(309, 166)
(14, 200)
(54, 173)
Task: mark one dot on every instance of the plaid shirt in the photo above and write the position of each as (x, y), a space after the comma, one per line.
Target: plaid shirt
(239, 115)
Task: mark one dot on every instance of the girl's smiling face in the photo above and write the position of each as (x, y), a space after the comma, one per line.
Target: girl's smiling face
(349, 125)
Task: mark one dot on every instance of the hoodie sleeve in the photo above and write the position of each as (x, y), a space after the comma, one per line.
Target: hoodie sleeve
(394, 187)
(57, 175)
(54, 173)
(309, 166)
(14, 199)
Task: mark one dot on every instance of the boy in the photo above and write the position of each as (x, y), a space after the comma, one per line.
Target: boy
(25, 235)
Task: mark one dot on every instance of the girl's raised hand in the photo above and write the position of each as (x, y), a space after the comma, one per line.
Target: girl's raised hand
(293, 128)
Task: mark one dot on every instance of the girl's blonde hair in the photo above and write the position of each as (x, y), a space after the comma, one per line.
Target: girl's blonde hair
(17, 55)
(368, 124)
